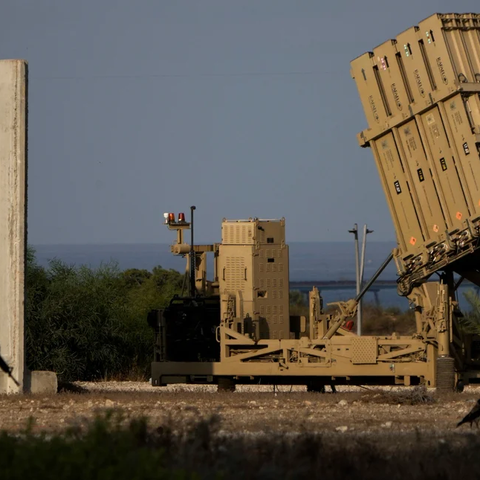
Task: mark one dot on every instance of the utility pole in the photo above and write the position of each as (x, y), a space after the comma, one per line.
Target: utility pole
(193, 291)
(359, 269)
(357, 266)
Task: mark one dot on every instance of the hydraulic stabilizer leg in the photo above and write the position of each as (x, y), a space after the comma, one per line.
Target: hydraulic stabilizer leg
(348, 309)
(433, 314)
(445, 380)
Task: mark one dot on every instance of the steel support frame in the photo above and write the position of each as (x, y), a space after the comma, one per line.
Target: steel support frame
(394, 357)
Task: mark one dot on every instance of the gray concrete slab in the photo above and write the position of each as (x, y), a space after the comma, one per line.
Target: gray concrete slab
(40, 381)
(13, 162)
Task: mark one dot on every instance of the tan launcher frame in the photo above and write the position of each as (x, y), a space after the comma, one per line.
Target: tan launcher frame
(327, 353)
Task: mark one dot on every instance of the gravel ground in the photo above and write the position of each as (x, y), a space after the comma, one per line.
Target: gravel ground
(250, 410)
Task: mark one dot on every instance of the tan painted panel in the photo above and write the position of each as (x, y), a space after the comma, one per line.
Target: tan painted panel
(444, 169)
(389, 71)
(251, 231)
(423, 188)
(463, 142)
(238, 233)
(453, 44)
(427, 63)
(439, 159)
(270, 232)
(473, 108)
(415, 68)
(471, 39)
(13, 117)
(362, 71)
(271, 288)
(256, 277)
(397, 190)
(432, 36)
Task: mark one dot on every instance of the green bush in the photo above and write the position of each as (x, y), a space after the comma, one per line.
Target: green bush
(298, 303)
(89, 324)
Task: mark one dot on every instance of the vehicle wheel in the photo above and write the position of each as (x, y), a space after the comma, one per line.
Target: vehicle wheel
(315, 386)
(226, 385)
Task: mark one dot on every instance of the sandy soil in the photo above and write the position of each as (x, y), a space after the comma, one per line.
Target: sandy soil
(250, 410)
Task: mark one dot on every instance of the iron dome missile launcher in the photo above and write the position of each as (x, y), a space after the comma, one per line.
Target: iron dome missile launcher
(421, 97)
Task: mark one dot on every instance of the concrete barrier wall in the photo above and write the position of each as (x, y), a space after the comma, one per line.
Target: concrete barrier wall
(13, 128)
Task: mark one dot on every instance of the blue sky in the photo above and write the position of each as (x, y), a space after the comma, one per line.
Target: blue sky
(242, 108)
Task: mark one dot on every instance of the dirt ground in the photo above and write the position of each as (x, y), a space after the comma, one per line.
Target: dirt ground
(251, 410)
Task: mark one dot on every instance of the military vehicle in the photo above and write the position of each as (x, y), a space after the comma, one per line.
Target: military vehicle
(421, 97)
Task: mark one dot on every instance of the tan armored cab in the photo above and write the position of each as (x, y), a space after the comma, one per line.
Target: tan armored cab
(420, 94)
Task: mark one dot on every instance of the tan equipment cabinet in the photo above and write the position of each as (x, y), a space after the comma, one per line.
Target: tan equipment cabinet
(254, 277)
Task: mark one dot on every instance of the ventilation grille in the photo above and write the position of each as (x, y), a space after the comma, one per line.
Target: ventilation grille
(364, 350)
(237, 234)
(235, 274)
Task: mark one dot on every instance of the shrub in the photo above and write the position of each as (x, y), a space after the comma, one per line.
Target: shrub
(384, 321)
(88, 324)
(376, 319)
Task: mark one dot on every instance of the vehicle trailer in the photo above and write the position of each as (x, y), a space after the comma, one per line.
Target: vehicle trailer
(237, 329)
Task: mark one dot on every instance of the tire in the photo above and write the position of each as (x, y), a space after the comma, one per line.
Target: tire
(315, 386)
(225, 384)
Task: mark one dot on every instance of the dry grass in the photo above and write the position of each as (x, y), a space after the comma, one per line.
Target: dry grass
(290, 409)
(385, 321)
(418, 395)
(376, 320)
(111, 445)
